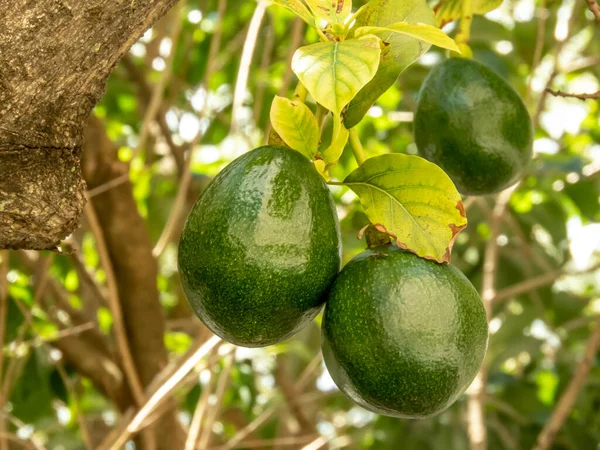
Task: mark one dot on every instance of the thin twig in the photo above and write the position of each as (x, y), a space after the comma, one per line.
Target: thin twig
(159, 88)
(133, 379)
(133, 421)
(42, 272)
(176, 213)
(594, 8)
(245, 62)
(567, 399)
(195, 429)
(75, 403)
(267, 413)
(206, 428)
(267, 55)
(539, 45)
(316, 444)
(11, 437)
(537, 282)
(592, 96)
(476, 419)
(273, 443)
(556, 69)
(108, 185)
(61, 334)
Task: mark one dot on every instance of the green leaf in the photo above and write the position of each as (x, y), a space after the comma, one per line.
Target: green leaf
(448, 10)
(339, 139)
(333, 72)
(414, 200)
(401, 51)
(298, 8)
(296, 125)
(333, 11)
(421, 31)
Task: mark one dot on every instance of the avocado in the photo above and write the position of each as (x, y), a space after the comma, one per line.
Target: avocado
(474, 125)
(402, 336)
(260, 247)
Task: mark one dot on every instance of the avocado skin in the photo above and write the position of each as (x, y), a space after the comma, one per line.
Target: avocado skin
(260, 248)
(403, 336)
(474, 125)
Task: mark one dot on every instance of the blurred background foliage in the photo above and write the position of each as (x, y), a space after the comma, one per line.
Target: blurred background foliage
(167, 100)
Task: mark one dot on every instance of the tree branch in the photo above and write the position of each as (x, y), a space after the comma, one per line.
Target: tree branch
(594, 8)
(593, 96)
(128, 243)
(537, 282)
(476, 427)
(567, 399)
(56, 57)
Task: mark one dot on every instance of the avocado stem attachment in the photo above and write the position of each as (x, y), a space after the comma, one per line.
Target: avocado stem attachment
(376, 235)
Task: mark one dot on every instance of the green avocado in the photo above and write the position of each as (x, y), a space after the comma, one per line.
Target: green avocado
(474, 125)
(260, 248)
(403, 336)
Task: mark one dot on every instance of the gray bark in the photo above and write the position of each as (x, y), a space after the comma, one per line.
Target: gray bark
(55, 57)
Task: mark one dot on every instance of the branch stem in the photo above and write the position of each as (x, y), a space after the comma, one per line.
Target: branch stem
(357, 148)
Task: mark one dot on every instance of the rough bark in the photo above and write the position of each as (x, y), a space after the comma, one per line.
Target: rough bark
(130, 249)
(56, 56)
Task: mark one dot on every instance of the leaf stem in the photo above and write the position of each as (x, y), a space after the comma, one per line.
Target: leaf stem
(357, 148)
(466, 18)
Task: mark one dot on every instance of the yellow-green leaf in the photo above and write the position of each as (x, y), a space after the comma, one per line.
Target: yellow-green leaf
(296, 125)
(298, 8)
(448, 10)
(333, 72)
(414, 200)
(400, 52)
(421, 31)
(339, 139)
(333, 11)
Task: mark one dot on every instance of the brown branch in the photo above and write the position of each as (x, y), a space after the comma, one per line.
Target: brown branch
(137, 76)
(558, 48)
(88, 351)
(594, 8)
(476, 427)
(114, 303)
(177, 211)
(76, 406)
(284, 382)
(56, 57)
(567, 399)
(592, 96)
(156, 98)
(213, 412)
(129, 253)
(133, 421)
(195, 428)
(537, 282)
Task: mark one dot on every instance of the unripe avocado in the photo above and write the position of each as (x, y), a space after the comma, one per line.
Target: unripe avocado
(403, 336)
(474, 125)
(260, 247)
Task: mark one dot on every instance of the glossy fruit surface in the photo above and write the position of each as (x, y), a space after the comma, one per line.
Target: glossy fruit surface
(260, 247)
(474, 125)
(403, 336)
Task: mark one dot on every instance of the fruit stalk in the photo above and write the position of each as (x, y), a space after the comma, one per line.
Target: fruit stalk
(357, 148)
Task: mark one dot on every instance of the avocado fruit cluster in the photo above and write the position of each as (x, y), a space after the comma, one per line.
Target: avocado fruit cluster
(474, 125)
(259, 255)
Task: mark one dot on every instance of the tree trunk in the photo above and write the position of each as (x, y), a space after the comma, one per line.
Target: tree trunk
(56, 56)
